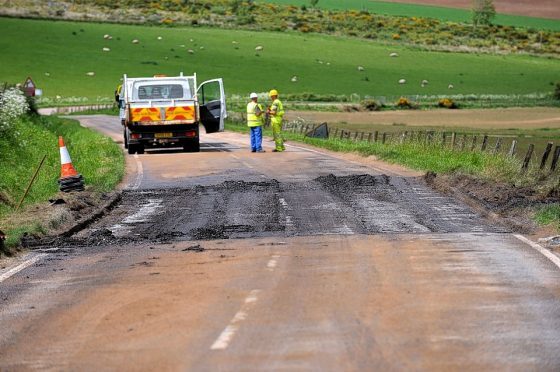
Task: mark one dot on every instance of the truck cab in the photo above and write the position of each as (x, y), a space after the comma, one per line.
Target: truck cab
(164, 111)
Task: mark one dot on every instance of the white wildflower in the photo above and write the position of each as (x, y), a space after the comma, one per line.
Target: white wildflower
(12, 105)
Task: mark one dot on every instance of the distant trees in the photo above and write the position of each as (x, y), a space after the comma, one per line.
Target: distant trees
(483, 12)
(313, 3)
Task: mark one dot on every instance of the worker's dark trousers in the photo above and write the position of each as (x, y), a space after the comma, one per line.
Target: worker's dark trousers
(256, 138)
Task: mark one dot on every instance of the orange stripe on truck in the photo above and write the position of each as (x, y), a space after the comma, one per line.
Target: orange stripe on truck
(180, 113)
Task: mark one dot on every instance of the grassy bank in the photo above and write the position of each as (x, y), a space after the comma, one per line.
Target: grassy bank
(96, 157)
(58, 55)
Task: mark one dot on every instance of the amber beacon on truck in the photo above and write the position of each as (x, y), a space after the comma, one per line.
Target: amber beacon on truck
(164, 111)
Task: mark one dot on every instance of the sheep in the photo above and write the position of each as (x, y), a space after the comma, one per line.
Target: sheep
(393, 55)
(361, 68)
(201, 48)
(328, 63)
(234, 42)
(91, 73)
(135, 41)
(402, 81)
(259, 48)
(106, 36)
(450, 86)
(190, 51)
(424, 83)
(159, 38)
(47, 74)
(191, 40)
(106, 49)
(294, 79)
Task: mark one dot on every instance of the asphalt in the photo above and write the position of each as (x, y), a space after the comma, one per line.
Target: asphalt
(305, 260)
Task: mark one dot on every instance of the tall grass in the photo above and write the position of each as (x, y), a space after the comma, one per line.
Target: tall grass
(97, 158)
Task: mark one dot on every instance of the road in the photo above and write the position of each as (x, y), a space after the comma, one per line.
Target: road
(304, 260)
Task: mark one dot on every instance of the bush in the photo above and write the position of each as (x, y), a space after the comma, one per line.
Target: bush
(556, 93)
(13, 105)
(371, 105)
(404, 102)
(447, 103)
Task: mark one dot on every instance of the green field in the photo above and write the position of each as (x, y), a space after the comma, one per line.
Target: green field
(68, 50)
(413, 10)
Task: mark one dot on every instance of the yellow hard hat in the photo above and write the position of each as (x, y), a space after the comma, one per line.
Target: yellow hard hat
(273, 92)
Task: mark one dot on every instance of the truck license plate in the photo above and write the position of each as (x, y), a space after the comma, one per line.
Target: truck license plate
(164, 135)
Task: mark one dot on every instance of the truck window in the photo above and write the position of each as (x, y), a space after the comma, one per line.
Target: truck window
(161, 91)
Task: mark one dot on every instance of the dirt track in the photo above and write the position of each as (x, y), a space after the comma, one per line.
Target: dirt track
(534, 8)
(228, 260)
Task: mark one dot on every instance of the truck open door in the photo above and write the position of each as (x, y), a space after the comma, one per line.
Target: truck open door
(212, 101)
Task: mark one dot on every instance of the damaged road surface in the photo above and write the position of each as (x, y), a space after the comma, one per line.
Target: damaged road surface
(227, 260)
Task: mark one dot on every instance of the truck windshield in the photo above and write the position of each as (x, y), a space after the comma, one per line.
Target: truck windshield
(161, 91)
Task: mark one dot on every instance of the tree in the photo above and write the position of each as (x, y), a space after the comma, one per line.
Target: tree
(483, 12)
(313, 3)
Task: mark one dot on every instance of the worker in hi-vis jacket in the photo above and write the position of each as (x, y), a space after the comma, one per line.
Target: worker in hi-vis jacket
(255, 122)
(276, 112)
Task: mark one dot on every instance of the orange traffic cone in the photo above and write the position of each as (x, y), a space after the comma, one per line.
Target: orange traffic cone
(70, 179)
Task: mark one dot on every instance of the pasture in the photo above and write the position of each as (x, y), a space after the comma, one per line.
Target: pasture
(428, 11)
(58, 55)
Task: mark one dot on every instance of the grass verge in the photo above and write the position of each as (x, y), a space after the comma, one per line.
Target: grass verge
(96, 157)
(548, 215)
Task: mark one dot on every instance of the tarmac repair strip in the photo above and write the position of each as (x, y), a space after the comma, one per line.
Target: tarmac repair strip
(551, 256)
(227, 334)
(21, 266)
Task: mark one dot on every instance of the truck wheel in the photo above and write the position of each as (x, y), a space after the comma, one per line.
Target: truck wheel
(191, 146)
(131, 149)
(140, 149)
(125, 136)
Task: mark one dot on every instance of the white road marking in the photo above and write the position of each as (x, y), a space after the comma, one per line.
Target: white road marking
(142, 215)
(22, 266)
(223, 341)
(271, 265)
(551, 256)
(139, 173)
(288, 218)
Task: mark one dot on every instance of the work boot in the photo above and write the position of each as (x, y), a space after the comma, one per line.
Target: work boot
(261, 150)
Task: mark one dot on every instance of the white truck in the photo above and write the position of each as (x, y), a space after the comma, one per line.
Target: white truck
(164, 111)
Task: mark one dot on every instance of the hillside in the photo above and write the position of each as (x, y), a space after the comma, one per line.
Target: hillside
(58, 55)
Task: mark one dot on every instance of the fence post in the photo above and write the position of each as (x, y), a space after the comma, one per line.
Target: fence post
(555, 158)
(512, 149)
(384, 138)
(484, 143)
(474, 142)
(355, 136)
(362, 136)
(545, 155)
(453, 140)
(375, 136)
(335, 132)
(403, 137)
(528, 157)
(348, 136)
(443, 139)
(498, 145)
(370, 135)
(464, 142)
(341, 133)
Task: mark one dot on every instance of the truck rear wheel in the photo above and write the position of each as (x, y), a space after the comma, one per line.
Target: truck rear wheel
(125, 136)
(138, 149)
(191, 146)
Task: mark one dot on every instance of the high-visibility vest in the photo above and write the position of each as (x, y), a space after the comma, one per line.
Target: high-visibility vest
(278, 108)
(252, 119)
